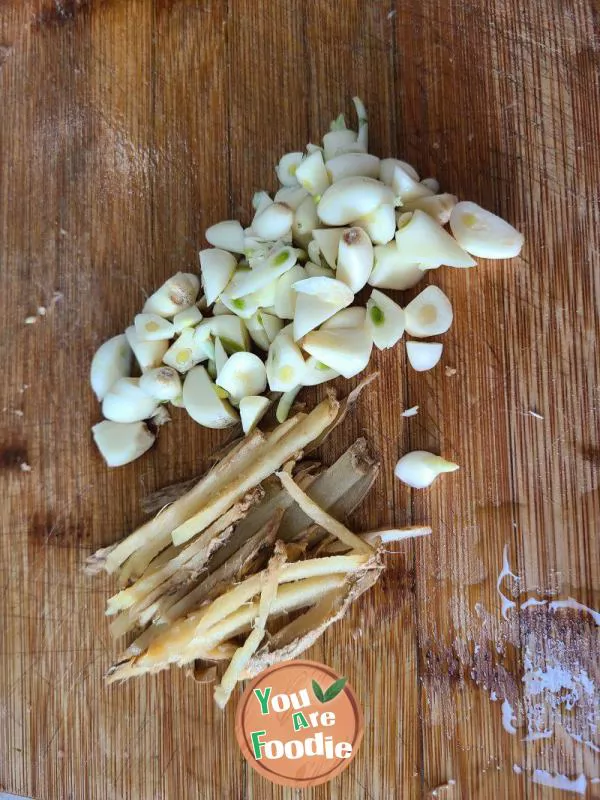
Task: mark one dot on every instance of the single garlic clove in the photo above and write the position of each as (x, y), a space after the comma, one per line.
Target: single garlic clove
(285, 363)
(147, 354)
(121, 443)
(438, 206)
(484, 234)
(202, 402)
(242, 374)
(216, 267)
(385, 320)
(257, 331)
(312, 174)
(387, 167)
(161, 383)
(127, 402)
(226, 235)
(260, 201)
(287, 167)
(429, 314)
(355, 259)
(351, 165)
(422, 241)
(344, 350)
(252, 410)
(187, 319)
(329, 289)
(285, 295)
(380, 224)
(292, 196)
(221, 356)
(245, 282)
(273, 222)
(183, 353)
(338, 142)
(151, 327)
(230, 329)
(431, 183)
(353, 317)
(423, 356)
(176, 294)
(328, 241)
(419, 468)
(318, 271)
(285, 404)
(272, 324)
(316, 372)
(305, 221)
(405, 187)
(111, 361)
(311, 311)
(243, 307)
(391, 271)
(203, 346)
(351, 198)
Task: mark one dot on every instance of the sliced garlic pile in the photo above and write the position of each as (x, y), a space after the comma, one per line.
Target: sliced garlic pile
(277, 311)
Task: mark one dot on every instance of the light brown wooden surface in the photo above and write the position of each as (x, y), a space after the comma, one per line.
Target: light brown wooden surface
(127, 128)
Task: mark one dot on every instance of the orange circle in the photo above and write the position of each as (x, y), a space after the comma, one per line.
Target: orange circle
(302, 741)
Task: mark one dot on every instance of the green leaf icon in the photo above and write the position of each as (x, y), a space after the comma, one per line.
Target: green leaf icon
(335, 688)
(318, 692)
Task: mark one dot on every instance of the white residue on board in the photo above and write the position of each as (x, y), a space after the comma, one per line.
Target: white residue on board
(570, 603)
(533, 602)
(508, 717)
(506, 604)
(556, 781)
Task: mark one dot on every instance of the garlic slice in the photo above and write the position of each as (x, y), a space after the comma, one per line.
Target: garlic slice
(351, 165)
(176, 294)
(328, 240)
(351, 198)
(246, 282)
(353, 317)
(111, 361)
(183, 353)
(305, 221)
(285, 363)
(216, 267)
(385, 320)
(252, 410)
(420, 240)
(429, 314)
(202, 402)
(285, 295)
(379, 224)
(161, 383)
(187, 319)
(127, 402)
(355, 259)
(312, 174)
(391, 271)
(484, 234)
(226, 235)
(242, 374)
(121, 443)
(147, 354)
(316, 372)
(151, 327)
(438, 206)
(387, 167)
(287, 167)
(423, 356)
(419, 468)
(344, 350)
(274, 222)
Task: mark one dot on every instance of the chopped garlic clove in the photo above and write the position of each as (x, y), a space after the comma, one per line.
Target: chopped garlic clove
(226, 235)
(429, 314)
(272, 325)
(292, 196)
(183, 353)
(420, 240)
(111, 361)
(385, 320)
(273, 222)
(328, 241)
(387, 167)
(176, 294)
(354, 317)
(314, 251)
(305, 221)
(121, 443)
(151, 327)
(431, 183)
(257, 331)
(344, 350)
(355, 259)
(405, 187)
(318, 271)
(221, 356)
(484, 234)
(329, 289)
(438, 206)
(287, 167)
(202, 402)
(285, 404)
(285, 295)
(391, 271)
(230, 329)
(187, 319)
(127, 402)
(252, 410)
(316, 372)
(242, 374)
(363, 123)
(352, 165)
(216, 267)
(161, 383)
(338, 142)
(379, 224)
(260, 201)
(351, 198)
(311, 311)
(423, 356)
(147, 354)
(312, 174)
(285, 363)
(248, 281)
(419, 469)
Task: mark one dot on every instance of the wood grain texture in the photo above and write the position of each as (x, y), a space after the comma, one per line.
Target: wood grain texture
(129, 127)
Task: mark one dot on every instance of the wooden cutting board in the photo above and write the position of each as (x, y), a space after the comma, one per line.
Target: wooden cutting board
(126, 129)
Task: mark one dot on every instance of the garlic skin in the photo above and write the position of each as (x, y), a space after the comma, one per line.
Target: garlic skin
(484, 234)
(226, 235)
(429, 314)
(121, 443)
(423, 356)
(419, 468)
(252, 410)
(355, 259)
(241, 375)
(151, 327)
(111, 361)
(351, 198)
(176, 294)
(147, 354)
(127, 402)
(287, 167)
(216, 267)
(161, 383)
(312, 174)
